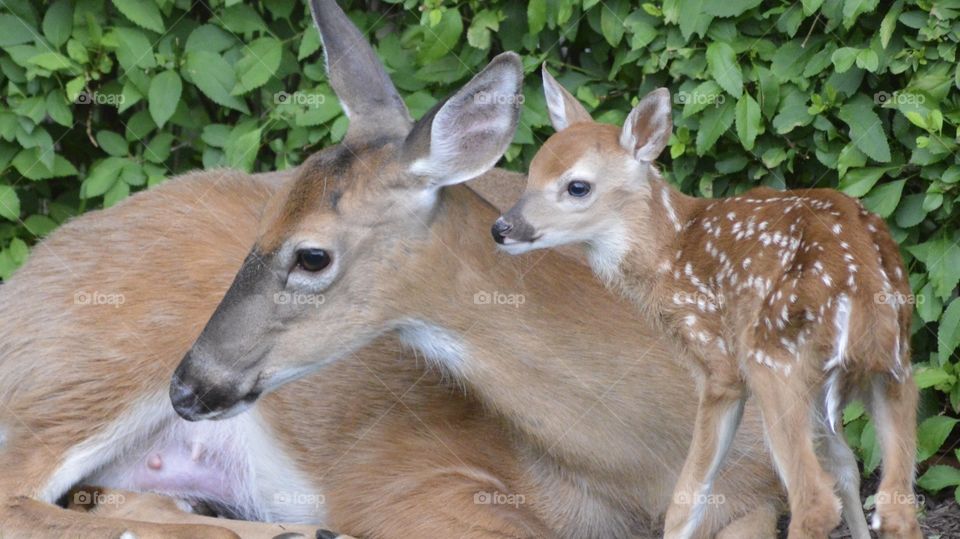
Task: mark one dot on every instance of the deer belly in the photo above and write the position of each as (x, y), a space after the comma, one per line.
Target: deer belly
(233, 463)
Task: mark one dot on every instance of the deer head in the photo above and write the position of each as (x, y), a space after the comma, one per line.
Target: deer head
(585, 175)
(325, 276)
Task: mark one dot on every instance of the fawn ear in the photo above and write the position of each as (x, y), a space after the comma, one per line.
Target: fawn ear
(647, 130)
(465, 136)
(564, 109)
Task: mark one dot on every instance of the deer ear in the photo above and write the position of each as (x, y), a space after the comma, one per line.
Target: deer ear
(647, 130)
(564, 109)
(466, 135)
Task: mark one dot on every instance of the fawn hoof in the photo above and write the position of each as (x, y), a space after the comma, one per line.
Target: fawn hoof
(896, 522)
(327, 534)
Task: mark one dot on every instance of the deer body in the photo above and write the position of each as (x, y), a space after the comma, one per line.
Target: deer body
(375, 226)
(772, 294)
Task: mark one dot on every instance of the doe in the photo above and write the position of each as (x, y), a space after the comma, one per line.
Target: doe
(798, 298)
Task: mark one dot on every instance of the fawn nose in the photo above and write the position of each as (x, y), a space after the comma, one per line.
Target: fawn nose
(500, 229)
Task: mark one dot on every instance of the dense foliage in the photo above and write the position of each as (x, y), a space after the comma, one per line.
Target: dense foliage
(102, 98)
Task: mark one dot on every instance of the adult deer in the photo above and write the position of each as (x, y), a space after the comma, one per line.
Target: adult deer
(772, 293)
(409, 256)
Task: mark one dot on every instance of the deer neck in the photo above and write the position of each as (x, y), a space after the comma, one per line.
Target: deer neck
(520, 332)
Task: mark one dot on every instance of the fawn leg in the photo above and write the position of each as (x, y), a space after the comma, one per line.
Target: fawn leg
(786, 410)
(893, 405)
(718, 416)
(839, 461)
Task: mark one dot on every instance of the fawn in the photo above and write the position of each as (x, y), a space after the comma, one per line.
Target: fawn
(795, 297)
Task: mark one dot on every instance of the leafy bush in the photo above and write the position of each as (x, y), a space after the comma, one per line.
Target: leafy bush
(102, 99)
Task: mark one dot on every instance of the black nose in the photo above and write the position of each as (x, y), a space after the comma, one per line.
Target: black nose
(500, 229)
(186, 399)
(193, 398)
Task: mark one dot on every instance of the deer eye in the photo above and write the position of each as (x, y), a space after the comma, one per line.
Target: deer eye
(578, 188)
(313, 260)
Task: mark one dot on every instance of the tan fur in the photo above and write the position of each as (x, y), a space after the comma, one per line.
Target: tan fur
(389, 469)
(781, 293)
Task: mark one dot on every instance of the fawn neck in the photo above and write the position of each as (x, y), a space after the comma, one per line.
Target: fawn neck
(656, 224)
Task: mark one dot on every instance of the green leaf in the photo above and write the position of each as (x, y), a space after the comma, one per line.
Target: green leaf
(144, 13)
(948, 335)
(748, 121)
(163, 96)
(612, 16)
(14, 30)
(729, 8)
(134, 49)
(910, 213)
(52, 61)
(478, 35)
(102, 176)
(260, 61)
(860, 181)
(214, 77)
(794, 113)
(9, 203)
(723, 66)
(58, 23)
(852, 9)
(116, 193)
(536, 15)
(938, 477)
(212, 38)
(883, 200)
(112, 143)
(926, 377)
(931, 434)
(29, 162)
(704, 95)
(714, 122)
(241, 151)
(442, 39)
(867, 59)
(866, 130)
(889, 23)
(843, 58)
(941, 256)
(870, 447)
(39, 225)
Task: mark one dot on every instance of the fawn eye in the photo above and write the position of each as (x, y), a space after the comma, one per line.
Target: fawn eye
(313, 260)
(578, 188)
